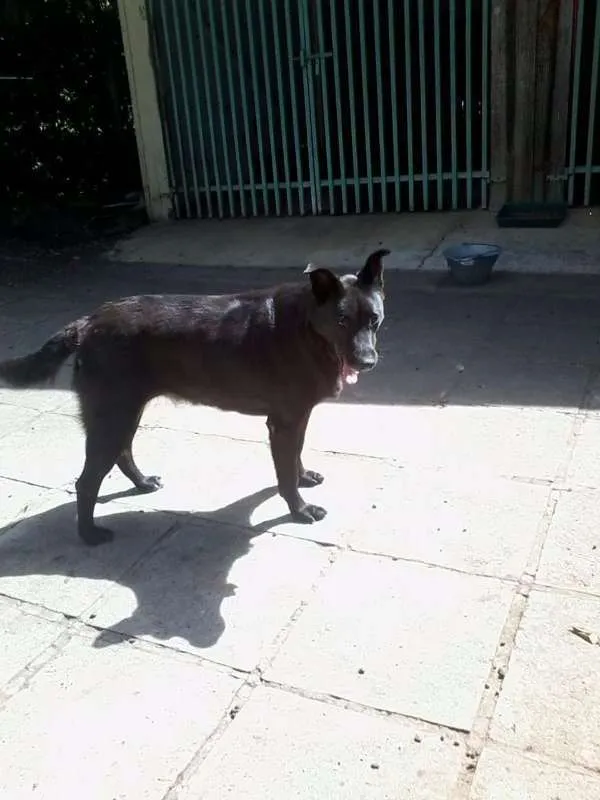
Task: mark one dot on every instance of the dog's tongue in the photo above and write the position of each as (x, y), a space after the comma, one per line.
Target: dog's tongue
(350, 375)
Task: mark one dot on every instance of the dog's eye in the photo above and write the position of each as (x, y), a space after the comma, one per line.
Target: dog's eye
(374, 321)
(343, 320)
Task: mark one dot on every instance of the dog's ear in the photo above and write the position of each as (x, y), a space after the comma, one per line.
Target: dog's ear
(371, 275)
(325, 284)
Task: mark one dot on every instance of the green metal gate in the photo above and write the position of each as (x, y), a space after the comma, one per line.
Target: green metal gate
(583, 166)
(285, 107)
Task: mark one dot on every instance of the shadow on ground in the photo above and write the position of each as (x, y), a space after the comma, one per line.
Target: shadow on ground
(520, 340)
(46, 544)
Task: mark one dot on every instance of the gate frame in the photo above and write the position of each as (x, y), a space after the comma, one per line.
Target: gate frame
(152, 155)
(515, 170)
(530, 95)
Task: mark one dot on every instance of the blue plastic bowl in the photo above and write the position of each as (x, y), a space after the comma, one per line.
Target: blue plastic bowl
(471, 263)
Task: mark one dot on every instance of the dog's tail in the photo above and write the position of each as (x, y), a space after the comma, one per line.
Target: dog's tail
(42, 366)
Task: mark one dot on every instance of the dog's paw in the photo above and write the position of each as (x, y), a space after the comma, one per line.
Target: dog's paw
(96, 535)
(308, 514)
(150, 483)
(309, 478)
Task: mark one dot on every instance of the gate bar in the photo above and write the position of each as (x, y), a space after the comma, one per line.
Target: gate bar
(209, 110)
(485, 38)
(186, 105)
(220, 103)
(309, 110)
(592, 119)
(233, 106)
(199, 126)
(338, 103)
(281, 101)
(265, 48)
(325, 105)
(423, 93)
(575, 103)
(365, 91)
(453, 136)
(469, 104)
(175, 108)
(380, 115)
(394, 93)
(257, 109)
(294, 97)
(408, 89)
(438, 104)
(245, 115)
(348, 29)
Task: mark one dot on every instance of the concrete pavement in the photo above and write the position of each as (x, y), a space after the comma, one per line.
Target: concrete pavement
(414, 645)
(416, 242)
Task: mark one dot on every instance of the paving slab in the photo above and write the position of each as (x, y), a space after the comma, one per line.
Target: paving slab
(45, 311)
(233, 481)
(12, 419)
(434, 516)
(570, 248)
(505, 380)
(428, 308)
(166, 413)
(14, 336)
(474, 387)
(503, 774)
(455, 329)
(593, 397)
(275, 243)
(408, 627)
(561, 310)
(550, 699)
(25, 636)
(111, 723)
(19, 500)
(416, 241)
(529, 442)
(24, 326)
(481, 526)
(570, 559)
(418, 379)
(200, 473)
(214, 591)
(36, 399)
(482, 440)
(48, 449)
(584, 468)
(43, 561)
(332, 752)
(543, 342)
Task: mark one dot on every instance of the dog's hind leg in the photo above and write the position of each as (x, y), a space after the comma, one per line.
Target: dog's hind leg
(306, 477)
(127, 465)
(145, 483)
(110, 425)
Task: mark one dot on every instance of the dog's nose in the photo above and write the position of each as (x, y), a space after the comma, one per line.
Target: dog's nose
(367, 363)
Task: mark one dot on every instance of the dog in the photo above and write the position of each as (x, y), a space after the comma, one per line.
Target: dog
(274, 352)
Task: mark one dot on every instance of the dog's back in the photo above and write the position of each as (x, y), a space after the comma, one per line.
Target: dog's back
(237, 352)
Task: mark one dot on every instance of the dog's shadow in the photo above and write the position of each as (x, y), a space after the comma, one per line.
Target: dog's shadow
(177, 565)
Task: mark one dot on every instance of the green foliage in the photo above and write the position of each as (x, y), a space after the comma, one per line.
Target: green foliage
(66, 133)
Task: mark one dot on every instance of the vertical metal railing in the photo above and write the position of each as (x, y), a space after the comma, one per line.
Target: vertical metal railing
(583, 164)
(284, 107)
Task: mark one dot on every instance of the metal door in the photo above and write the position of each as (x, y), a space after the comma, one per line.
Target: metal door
(285, 107)
(583, 162)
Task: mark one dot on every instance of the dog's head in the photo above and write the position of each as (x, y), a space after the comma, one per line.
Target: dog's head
(348, 313)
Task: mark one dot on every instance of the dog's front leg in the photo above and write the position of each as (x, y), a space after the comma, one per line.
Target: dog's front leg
(286, 438)
(306, 477)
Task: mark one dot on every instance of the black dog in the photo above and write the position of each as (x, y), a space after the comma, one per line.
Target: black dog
(275, 352)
